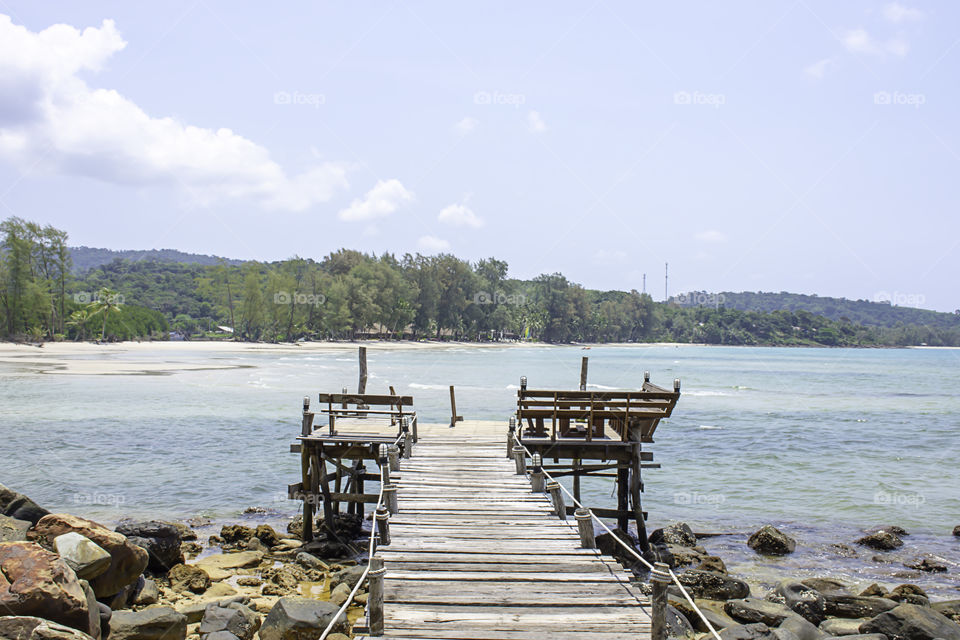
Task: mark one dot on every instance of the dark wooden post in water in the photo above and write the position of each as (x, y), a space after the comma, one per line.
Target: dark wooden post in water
(306, 430)
(362, 384)
(454, 418)
(583, 373)
(659, 580)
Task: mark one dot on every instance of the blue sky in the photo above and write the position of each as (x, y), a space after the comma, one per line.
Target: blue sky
(800, 146)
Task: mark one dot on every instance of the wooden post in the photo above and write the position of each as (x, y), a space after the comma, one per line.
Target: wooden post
(454, 418)
(393, 456)
(384, 466)
(536, 478)
(659, 580)
(306, 483)
(383, 525)
(523, 383)
(511, 431)
(583, 373)
(307, 427)
(585, 525)
(358, 483)
(636, 486)
(362, 384)
(375, 597)
(520, 458)
(343, 405)
(407, 439)
(623, 478)
(557, 496)
(577, 464)
(390, 497)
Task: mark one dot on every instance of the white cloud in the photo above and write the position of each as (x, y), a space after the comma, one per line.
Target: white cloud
(897, 46)
(460, 215)
(819, 68)
(466, 126)
(896, 13)
(711, 236)
(535, 122)
(433, 244)
(50, 118)
(859, 41)
(382, 200)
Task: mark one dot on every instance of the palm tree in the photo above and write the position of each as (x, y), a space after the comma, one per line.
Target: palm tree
(105, 304)
(79, 319)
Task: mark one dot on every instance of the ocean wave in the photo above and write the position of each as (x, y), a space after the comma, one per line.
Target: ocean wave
(600, 387)
(512, 387)
(435, 387)
(709, 427)
(706, 393)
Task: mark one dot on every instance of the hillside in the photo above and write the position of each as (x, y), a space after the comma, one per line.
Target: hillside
(863, 312)
(86, 258)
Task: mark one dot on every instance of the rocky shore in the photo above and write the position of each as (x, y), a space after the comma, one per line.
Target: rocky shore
(63, 577)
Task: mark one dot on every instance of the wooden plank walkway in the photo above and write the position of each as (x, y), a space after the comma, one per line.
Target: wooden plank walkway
(475, 554)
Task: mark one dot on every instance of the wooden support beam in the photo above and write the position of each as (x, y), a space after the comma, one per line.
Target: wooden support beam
(454, 418)
(583, 373)
(659, 580)
(362, 384)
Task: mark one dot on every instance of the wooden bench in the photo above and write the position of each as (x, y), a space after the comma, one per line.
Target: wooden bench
(362, 406)
(630, 415)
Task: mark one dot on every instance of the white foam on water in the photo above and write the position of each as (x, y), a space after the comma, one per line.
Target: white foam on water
(707, 427)
(417, 385)
(600, 387)
(706, 393)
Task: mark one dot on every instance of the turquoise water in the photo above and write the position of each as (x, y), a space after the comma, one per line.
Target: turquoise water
(821, 442)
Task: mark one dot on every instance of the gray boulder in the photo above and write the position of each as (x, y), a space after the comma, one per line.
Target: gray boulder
(349, 576)
(801, 599)
(195, 610)
(13, 530)
(152, 623)
(298, 618)
(755, 631)
(842, 626)
(824, 584)
(882, 540)
(755, 610)
(912, 622)
(949, 608)
(235, 619)
(678, 533)
(801, 628)
(146, 594)
(712, 610)
(31, 628)
(310, 562)
(928, 564)
(845, 605)
(909, 594)
(677, 624)
(20, 507)
(956, 531)
(712, 585)
(160, 539)
(770, 541)
(87, 559)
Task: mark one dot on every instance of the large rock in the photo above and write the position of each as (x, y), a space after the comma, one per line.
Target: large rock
(842, 626)
(824, 584)
(236, 533)
(152, 623)
(770, 541)
(802, 629)
(35, 582)
(82, 554)
(909, 594)
(801, 599)
(349, 576)
(225, 561)
(195, 609)
(235, 618)
(678, 533)
(912, 622)
(265, 534)
(755, 610)
(928, 564)
(755, 631)
(160, 539)
(712, 585)
(949, 608)
(882, 540)
(956, 531)
(712, 610)
(845, 605)
(188, 577)
(16, 505)
(13, 530)
(127, 560)
(93, 611)
(32, 628)
(677, 624)
(297, 618)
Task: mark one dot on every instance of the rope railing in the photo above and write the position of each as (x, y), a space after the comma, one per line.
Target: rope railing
(371, 549)
(655, 571)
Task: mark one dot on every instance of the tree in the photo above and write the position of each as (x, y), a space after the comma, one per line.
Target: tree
(104, 305)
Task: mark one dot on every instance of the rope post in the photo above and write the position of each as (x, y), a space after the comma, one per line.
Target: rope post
(375, 597)
(585, 525)
(383, 525)
(521, 459)
(390, 497)
(393, 455)
(511, 430)
(523, 383)
(557, 496)
(407, 439)
(384, 466)
(536, 477)
(659, 580)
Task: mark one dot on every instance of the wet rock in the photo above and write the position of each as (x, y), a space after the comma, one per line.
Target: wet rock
(249, 581)
(93, 612)
(339, 594)
(33, 628)
(267, 535)
(824, 584)
(755, 631)
(296, 618)
(13, 530)
(841, 604)
(194, 611)
(235, 533)
(712, 585)
(254, 544)
(20, 507)
(755, 610)
(679, 534)
(802, 629)
(882, 540)
(770, 541)
(673, 555)
(190, 548)
(160, 539)
(235, 619)
(802, 600)
(37, 583)
(147, 594)
(910, 593)
(225, 561)
(82, 555)
(956, 531)
(311, 562)
(677, 624)
(186, 533)
(912, 622)
(127, 560)
(712, 610)
(152, 623)
(875, 590)
(327, 549)
(844, 550)
(346, 526)
(188, 577)
(349, 576)
(930, 565)
(712, 563)
(894, 529)
(949, 608)
(842, 626)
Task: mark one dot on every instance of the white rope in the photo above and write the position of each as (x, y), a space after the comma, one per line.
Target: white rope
(623, 544)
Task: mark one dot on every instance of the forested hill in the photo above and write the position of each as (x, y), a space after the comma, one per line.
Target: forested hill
(863, 312)
(86, 258)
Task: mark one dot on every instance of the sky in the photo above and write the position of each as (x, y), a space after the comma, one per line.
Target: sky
(804, 146)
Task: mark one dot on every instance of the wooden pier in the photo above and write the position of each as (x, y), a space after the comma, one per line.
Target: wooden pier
(475, 553)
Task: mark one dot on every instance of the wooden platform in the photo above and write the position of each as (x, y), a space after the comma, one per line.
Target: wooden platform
(475, 554)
